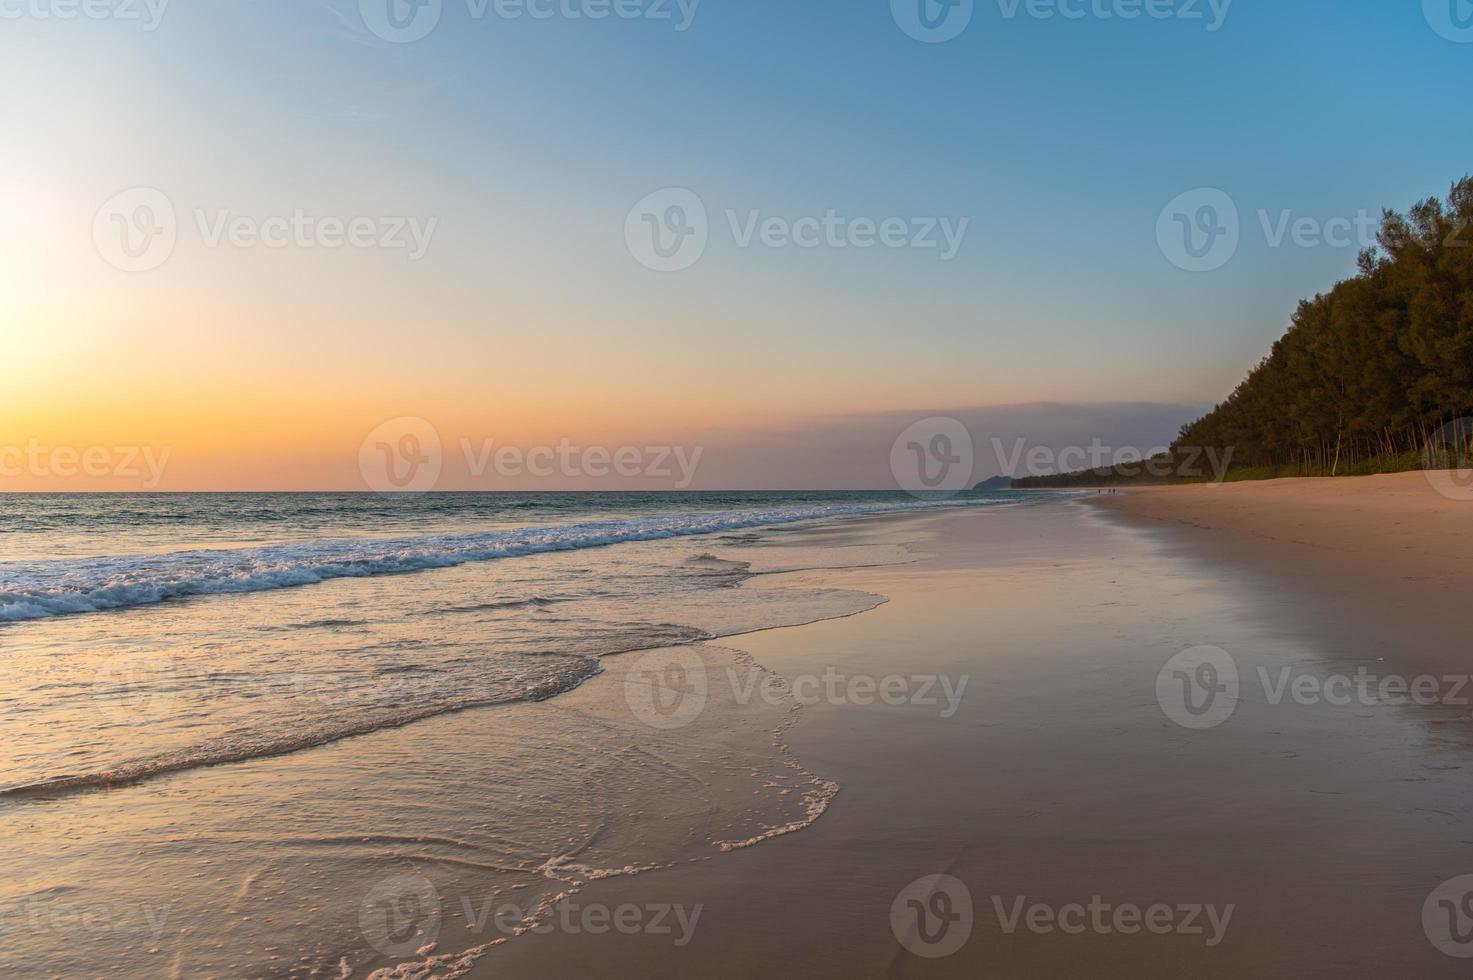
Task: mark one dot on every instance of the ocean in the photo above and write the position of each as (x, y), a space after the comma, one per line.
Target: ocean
(160, 653)
(455, 600)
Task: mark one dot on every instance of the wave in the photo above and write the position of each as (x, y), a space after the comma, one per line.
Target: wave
(440, 691)
(40, 589)
(267, 744)
(537, 601)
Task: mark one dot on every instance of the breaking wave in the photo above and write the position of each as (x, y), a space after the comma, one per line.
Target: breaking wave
(39, 589)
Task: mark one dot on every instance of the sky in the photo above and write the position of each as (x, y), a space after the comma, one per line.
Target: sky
(247, 236)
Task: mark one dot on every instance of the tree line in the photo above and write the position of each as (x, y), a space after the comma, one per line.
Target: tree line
(1374, 376)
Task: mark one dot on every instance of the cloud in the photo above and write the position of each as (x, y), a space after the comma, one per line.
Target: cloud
(853, 452)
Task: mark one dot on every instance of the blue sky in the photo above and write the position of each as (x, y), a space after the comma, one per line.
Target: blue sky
(1058, 140)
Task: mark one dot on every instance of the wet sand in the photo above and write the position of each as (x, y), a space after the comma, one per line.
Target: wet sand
(998, 707)
(413, 848)
(1297, 838)
(1390, 554)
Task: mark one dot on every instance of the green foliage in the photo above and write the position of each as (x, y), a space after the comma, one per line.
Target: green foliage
(1366, 377)
(1173, 467)
(1369, 371)
(1369, 466)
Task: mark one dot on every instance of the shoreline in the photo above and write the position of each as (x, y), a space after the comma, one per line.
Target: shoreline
(1061, 779)
(524, 802)
(996, 716)
(1387, 553)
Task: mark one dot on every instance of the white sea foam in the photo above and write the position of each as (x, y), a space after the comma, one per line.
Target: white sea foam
(39, 589)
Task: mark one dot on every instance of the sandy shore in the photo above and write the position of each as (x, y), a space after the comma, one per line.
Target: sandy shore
(1150, 739)
(1064, 794)
(1389, 554)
